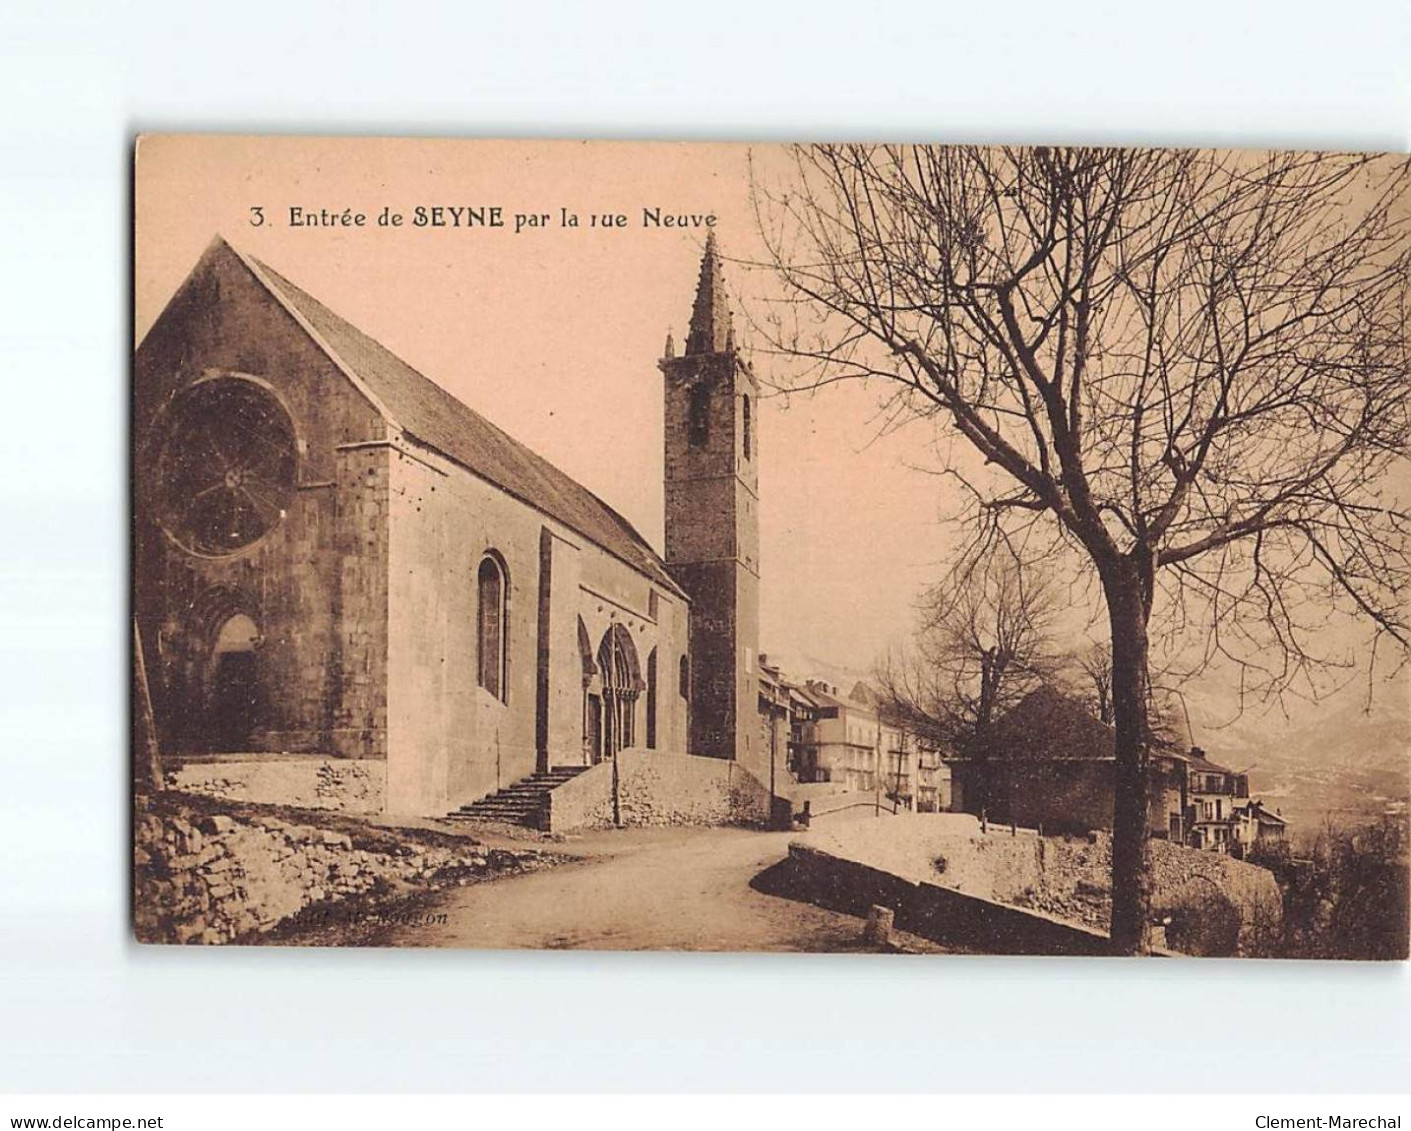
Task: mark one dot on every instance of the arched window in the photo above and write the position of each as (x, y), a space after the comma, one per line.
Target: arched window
(491, 585)
(745, 420)
(685, 677)
(652, 700)
(698, 416)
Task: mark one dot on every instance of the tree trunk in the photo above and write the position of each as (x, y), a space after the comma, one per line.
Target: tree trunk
(1128, 592)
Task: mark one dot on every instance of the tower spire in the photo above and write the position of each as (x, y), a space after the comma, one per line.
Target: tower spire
(711, 331)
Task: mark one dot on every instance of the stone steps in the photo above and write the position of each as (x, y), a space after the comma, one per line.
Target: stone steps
(521, 803)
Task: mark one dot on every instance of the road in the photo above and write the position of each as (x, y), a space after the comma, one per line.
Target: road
(639, 889)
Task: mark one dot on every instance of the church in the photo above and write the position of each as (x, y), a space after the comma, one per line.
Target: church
(335, 559)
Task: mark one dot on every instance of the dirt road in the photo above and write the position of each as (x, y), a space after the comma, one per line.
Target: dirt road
(637, 889)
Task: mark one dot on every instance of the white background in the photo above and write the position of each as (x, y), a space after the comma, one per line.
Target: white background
(81, 1008)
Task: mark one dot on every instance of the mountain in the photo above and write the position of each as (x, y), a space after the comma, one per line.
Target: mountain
(1335, 761)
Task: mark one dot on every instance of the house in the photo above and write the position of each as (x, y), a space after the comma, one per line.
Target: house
(841, 742)
(852, 742)
(1254, 824)
(333, 556)
(1211, 793)
(775, 707)
(1051, 764)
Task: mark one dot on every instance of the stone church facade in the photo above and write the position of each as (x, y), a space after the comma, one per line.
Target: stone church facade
(333, 556)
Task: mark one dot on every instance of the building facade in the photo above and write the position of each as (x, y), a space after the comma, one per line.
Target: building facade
(334, 556)
(1210, 794)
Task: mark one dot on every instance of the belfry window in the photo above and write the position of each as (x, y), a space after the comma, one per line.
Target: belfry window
(698, 416)
(490, 625)
(745, 425)
(652, 700)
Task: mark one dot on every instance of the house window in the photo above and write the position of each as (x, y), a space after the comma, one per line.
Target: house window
(745, 420)
(685, 677)
(490, 625)
(698, 416)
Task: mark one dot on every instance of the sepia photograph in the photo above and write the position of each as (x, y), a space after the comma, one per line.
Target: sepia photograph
(848, 548)
(748, 565)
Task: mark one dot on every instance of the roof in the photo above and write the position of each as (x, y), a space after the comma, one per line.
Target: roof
(1197, 760)
(428, 414)
(710, 331)
(823, 698)
(1256, 810)
(1046, 724)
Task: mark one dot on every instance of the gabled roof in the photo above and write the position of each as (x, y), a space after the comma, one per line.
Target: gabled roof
(432, 417)
(1196, 759)
(1256, 810)
(824, 698)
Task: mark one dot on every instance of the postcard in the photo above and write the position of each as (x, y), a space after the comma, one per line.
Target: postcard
(834, 547)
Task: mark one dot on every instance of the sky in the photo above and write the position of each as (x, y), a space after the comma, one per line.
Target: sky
(553, 333)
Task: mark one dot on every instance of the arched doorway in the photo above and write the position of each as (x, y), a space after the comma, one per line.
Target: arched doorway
(621, 686)
(233, 698)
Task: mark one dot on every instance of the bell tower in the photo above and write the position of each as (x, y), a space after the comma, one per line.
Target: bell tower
(712, 518)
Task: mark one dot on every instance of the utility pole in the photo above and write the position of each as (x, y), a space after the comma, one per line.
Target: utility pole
(901, 753)
(877, 770)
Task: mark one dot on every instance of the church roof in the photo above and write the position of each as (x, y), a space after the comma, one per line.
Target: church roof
(433, 417)
(711, 330)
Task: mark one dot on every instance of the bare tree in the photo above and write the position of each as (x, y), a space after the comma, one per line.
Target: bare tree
(1096, 666)
(1187, 368)
(984, 640)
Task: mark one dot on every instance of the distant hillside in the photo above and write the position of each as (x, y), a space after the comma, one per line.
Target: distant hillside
(1340, 762)
(801, 667)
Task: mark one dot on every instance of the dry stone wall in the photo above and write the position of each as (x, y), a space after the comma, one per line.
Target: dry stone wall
(217, 877)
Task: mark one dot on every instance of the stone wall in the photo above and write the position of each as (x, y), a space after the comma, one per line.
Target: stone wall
(1072, 877)
(1067, 877)
(346, 785)
(712, 545)
(204, 876)
(656, 788)
(941, 914)
(1059, 795)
